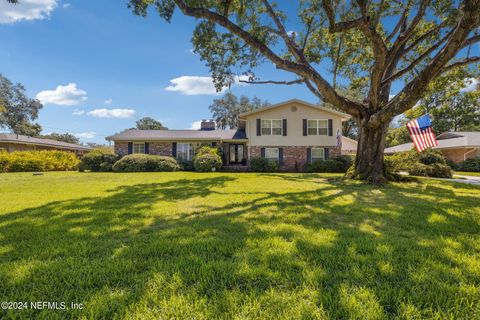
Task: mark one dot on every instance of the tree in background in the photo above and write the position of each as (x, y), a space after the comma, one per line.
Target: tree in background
(450, 105)
(373, 44)
(225, 110)
(17, 111)
(65, 137)
(148, 123)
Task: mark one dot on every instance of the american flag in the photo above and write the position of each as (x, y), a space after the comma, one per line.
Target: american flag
(421, 133)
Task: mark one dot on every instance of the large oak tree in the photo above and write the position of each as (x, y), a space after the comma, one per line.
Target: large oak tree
(369, 43)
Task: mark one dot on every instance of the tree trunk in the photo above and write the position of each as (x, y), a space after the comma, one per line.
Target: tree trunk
(369, 164)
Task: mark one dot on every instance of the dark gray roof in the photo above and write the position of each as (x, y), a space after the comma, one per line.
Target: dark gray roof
(141, 135)
(18, 138)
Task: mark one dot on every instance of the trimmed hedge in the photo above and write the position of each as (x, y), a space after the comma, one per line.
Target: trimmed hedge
(45, 160)
(470, 165)
(98, 160)
(259, 164)
(145, 163)
(207, 159)
(338, 164)
(429, 163)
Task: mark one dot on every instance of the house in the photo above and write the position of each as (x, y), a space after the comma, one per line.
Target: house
(291, 133)
(10, 142)
(455, 146)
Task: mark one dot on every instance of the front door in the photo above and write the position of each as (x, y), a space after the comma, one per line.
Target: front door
(236, 154)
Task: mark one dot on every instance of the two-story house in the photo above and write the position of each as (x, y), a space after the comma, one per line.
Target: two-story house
(292, 133)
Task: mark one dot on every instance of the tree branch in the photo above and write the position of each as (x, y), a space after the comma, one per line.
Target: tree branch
(414, 90)
(461, 63)
(343, 26)
(400, 22)
(306, 71)
(419, 59)
(297, 81)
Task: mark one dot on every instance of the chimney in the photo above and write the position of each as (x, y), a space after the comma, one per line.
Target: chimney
(207, 125)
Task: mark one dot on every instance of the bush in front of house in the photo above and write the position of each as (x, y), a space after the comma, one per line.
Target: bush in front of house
(98, 160)
(186, 165)
(259, 164)
(338, 164)
(45, 160)
(470, 165)
(429, 163)
(145, 163)
(207, 159)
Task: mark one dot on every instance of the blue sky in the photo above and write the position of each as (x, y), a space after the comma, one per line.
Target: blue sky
(98, 68)
(104, 57)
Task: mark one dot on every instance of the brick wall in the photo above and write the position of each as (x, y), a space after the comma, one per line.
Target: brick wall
(294, 157)
(456, 155)
(158, 148)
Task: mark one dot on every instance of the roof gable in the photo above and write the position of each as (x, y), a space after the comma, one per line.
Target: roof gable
(344, 116)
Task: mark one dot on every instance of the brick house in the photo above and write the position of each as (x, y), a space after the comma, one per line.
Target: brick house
(455, 146)
(291, 133)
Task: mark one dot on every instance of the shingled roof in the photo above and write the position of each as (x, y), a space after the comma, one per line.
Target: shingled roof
(21, 139)
(152, 135)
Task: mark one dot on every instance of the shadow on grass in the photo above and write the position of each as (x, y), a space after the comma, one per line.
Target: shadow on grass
(342, 250)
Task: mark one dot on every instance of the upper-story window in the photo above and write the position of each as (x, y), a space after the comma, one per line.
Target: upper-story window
(317, 127)
(139, 148)
(271, 127)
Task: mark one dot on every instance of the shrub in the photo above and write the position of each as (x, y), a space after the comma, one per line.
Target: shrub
(46, 160)
(207, 162)
(145, 162)
(436, 170)
(471, 165)
(208, 150)
(186, 165)
(430, 163)
(98, 160)
(338, 164)
(259, 164)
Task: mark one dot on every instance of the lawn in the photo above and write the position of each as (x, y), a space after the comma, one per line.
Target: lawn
(247, 246)
(465, 173)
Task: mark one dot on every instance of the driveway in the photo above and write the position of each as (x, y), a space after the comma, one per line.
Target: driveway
(466, 179)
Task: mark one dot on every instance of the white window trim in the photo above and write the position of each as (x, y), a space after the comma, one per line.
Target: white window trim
(317, 127)
(271, 127)
(312, 159)
(278, 154)
(138, 143)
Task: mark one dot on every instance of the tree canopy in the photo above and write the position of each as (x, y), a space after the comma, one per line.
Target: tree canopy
(370, 45)
(148, 123)
(226, 109)
(17, 111)
(65, 137)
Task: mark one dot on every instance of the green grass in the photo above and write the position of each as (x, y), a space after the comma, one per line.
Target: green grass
(246, 246)
(465, 173)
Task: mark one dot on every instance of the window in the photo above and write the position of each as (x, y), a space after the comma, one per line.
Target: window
(318, 154)
(272, 154)
(271, 127)
(186, 151)
(317, 127)
(139, 147)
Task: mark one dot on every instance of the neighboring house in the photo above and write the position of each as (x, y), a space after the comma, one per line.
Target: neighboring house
(455, 146)
(291, 133)
(349, 146)
(15, 142)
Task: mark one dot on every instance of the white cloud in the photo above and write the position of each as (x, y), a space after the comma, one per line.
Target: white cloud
(192, 85)
(26, 10)
(68, 95)
(78, 112)
(86, 135)
(66, 5)
(195, 125)
(112, 113)
(196, 85)
(471, 84)
(108, 101)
